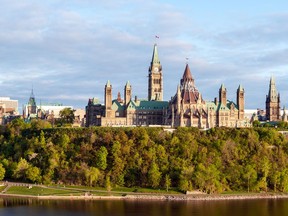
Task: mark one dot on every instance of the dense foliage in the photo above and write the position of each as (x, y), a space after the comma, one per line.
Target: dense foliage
(220, 159)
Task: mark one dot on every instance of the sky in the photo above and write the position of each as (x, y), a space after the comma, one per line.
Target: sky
(66, 50)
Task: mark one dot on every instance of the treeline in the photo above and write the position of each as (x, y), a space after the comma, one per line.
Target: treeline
(216, 160)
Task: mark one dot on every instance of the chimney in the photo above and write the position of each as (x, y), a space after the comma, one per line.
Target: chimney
(216, 101)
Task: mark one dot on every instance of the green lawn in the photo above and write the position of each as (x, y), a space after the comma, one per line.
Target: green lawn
(2, 188)
(39, 191)
(120, 189)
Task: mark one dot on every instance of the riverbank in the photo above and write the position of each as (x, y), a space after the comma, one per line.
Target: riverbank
(157, 197)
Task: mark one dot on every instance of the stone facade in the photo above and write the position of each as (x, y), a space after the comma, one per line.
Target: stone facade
(186, 108)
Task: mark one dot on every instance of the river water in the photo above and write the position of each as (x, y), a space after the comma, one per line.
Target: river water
(31, 207)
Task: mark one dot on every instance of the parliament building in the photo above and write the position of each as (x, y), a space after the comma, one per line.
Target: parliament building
(186, 108)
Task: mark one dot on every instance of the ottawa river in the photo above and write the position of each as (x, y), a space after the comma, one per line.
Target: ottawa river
(31, 207)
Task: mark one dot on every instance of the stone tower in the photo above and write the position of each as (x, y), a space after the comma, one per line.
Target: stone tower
(108, 99)
(273, 102)
(127, 93)
(240, 102)
(223, 95)
(155, 85)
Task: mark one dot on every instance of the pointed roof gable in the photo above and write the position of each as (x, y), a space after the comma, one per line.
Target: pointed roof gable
(155, 58)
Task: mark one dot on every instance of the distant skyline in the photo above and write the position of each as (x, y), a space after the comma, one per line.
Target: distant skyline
(68, 49)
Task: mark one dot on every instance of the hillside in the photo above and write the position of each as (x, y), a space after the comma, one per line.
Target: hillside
(217, 160)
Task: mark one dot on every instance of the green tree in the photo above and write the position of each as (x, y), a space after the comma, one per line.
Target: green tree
(208, 178)
(21, 168)
(108, 185)
(154, 175)
(251, 176)
(2, 172)
(167, 182)
(38, 124)
(92, 175)
(101, 158)
(33, 174)
(67, 116)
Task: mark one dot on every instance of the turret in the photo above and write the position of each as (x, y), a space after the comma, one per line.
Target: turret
(127, 93)
(222, 95)
(240, 102)
(108, 99)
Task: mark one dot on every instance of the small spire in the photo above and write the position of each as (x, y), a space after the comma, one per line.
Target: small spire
(128, 84)
(240, 88)
(222, 88)
(32, 92)
(108, 83)
(272, 80)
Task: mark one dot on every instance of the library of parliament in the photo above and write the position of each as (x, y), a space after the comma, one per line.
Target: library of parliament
(186, 108)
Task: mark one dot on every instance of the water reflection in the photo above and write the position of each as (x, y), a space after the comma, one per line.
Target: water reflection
(31, 207)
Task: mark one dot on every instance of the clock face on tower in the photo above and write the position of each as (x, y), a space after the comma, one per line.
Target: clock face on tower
(155, 69)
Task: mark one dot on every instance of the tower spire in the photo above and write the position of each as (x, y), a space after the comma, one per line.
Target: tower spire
(155, 83)
(272, 102)
(155, 58)
(272, 94)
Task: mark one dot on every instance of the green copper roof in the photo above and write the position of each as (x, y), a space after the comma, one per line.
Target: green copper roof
(155, 58)
(220, 107)
(108, 83)
(117, 106)
(148, 105)
(32, 101)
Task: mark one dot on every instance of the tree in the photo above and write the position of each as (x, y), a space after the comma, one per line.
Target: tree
(250, 175)
(38, 124)
(167, 182)
(67, 116)
(33, 174)
(154, 175)
(20, 171)
(108, 183)
(92, 175)
(101, 158)
(2, 172)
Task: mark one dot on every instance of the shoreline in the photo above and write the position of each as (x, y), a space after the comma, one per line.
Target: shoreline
(217, 197)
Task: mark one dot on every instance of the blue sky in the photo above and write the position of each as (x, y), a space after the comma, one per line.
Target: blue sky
(67, 50)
